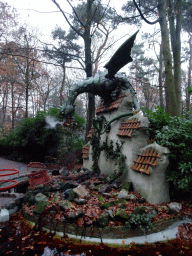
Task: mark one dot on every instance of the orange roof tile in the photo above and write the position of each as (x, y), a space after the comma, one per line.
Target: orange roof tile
(112, 106)
(145, 161)
(85, 152)
(127, 128)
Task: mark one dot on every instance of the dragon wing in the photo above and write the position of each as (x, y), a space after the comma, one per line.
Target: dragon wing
(121, 57)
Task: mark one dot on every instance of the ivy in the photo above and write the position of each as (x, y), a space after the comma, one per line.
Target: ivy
(110, 153)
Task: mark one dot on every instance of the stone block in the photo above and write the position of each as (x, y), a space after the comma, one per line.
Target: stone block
(81, 191)
(40, 197)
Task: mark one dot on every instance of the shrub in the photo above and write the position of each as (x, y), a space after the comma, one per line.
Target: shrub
(31, 141)
(174, 133)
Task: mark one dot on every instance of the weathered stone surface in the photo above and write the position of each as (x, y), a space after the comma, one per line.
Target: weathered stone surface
(69, 194)
(64, 173)
(68, 185)
(66, 205)
(40, 207)
(115, 185)
(103, 220)
(175, 206)
(121, 215)
(132, 197)
(123, 195)
(40, 197)
(110, 212)
(81, 191)
(106, 188)
(80, 201)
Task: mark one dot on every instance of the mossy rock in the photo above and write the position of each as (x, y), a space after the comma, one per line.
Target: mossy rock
(126, 186)
(107, 205)
(41, 205)
(103, 220)
(121, 215)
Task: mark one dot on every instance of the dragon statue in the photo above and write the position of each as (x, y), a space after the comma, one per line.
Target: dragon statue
(107, 84)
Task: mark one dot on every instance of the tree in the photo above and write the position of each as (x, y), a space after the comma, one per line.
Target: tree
(66, 51)
(172, 10)
(87, 19)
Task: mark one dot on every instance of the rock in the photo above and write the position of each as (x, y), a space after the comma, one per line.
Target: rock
(126, 186)
(71, 216)
(56, 197)
(123, 195)
(105, 188)
(68, 185)
(132, 197)
(40, 197)
(115, 185)
(97, 183)
(103, 220)
(40, 207)
(80, 213)
(66, 205)
(82, 169)
(107, 205)
(121, 215)
(175, 206)
(64, 173)
(92, 187)
(55, 172)
(110, 212)
(80, 201)
(86, 183)
(69, 194)
(107, 195)
(74, 216)
(81, 191)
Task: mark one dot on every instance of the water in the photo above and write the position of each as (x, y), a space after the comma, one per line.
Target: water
(51, 122)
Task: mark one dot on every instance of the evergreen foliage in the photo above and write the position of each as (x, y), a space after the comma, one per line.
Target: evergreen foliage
(174, 133)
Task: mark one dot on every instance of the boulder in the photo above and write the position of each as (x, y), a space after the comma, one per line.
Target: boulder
(40, 197)
(175, 206)
(106, 188)
(121, 215)
(103, 220)
(64, 173)
(66, 205)
(40, 207)
(69, 194)
(123, 195)
(80, 201)
(81, 191)
(68, 185)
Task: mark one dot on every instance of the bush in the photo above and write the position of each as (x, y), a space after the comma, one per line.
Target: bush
(31, 141)
(174, 133)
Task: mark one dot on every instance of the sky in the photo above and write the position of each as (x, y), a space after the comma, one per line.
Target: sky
(44, 15)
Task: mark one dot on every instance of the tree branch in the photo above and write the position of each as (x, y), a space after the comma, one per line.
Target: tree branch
(67, 18)
(142, 16)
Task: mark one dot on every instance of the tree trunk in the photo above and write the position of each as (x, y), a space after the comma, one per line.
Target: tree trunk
(160, 78)
(189, 75)
(62, 87)
(88, 66)
(175, 31)
(169, 79)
